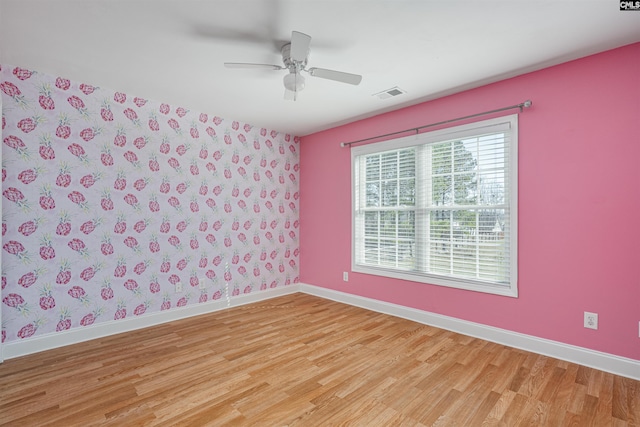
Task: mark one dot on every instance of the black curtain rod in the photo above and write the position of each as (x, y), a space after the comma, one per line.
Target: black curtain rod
(521, 106)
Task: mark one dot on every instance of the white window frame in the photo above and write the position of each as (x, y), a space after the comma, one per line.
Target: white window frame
(458, 132)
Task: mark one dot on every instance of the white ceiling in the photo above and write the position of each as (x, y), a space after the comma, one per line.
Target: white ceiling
(173, 51)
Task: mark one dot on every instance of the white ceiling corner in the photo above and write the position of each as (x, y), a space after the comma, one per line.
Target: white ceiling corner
(173, 50)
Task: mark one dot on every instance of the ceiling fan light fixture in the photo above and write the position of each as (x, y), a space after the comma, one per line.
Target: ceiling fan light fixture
(294, 82)
(294, 59)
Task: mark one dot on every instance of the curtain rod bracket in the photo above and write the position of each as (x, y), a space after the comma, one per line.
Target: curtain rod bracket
(525, 104)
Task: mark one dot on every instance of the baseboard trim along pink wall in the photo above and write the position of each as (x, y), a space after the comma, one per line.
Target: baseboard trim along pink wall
(578, 202)
(594, 359)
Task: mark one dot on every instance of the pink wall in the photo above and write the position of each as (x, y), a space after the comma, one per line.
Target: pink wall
(579, 198)
(109, 200)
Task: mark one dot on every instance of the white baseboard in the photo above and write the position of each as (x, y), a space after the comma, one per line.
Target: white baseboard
(14, 349)
(594, 359)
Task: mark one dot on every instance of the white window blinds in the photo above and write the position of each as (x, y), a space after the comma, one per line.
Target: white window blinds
(440, 207)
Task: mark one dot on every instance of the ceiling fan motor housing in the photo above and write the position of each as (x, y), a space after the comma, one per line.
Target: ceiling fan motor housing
(292, 65)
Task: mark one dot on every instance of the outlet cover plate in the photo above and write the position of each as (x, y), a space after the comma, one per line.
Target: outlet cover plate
(590, 320)
(178, 287)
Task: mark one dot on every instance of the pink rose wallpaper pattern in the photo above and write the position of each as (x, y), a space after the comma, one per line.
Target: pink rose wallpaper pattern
(110, 200)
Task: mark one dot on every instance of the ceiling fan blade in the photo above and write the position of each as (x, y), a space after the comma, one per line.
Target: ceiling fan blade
(339, 76)
(254, 66)
(300, 43)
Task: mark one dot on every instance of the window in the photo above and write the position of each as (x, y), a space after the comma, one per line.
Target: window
(440, 207)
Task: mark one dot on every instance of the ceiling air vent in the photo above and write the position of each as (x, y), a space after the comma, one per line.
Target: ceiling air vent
(394, 91)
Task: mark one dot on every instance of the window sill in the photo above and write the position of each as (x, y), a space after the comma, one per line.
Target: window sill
(450, 282)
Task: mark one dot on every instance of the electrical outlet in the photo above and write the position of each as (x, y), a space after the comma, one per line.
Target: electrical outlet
(202, 285)
(590, 320)
(178, 287)
(345, 276)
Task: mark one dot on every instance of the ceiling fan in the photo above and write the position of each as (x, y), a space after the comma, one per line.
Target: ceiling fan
(294, 57)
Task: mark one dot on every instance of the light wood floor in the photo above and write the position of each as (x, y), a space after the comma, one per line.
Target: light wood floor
(300, 360)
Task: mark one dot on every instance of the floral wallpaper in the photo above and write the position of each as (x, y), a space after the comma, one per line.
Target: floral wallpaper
(111, 200)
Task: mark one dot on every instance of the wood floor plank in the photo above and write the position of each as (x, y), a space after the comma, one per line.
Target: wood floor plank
(633, 401)
(510, 362)
(481, 413)
(300, 360)
(605, 399)
(439, 409)
(548, 392)
(473, 396)
(501, 407)
(538, 377)
(516, 410)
